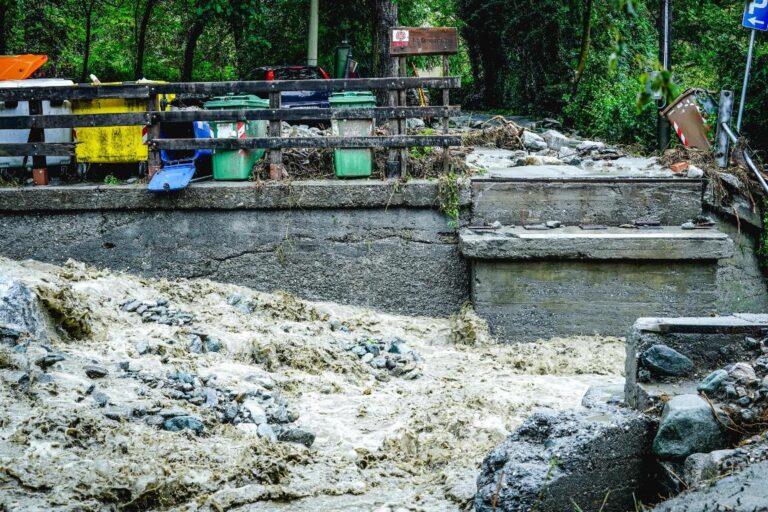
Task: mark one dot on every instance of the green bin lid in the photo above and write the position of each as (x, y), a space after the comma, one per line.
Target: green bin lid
(236, 102)
(351, 97)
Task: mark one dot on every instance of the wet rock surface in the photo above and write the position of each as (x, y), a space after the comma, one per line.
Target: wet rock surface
(575, 455)
(688, 425)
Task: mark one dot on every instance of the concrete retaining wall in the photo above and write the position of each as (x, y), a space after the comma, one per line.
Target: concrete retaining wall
(592, 201)
(364, 243)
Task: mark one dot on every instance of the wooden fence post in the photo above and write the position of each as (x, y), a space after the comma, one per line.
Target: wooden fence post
(446, 119)
(276, 169)
(403, 125)
(154, 162)
(39, 169)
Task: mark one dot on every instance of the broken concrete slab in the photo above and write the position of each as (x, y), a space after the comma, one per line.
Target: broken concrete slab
(556, 460)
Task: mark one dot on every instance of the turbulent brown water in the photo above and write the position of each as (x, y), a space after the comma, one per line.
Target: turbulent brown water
(382, 443)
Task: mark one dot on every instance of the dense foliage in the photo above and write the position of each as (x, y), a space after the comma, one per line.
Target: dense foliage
(523, 56)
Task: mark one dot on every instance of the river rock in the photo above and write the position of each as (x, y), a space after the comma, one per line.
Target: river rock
(254, 408)
(20, 309)
(742, 373)
(297, 435)
(694, 172)
(556, 140)
(179, 423)
(267, 432)
(712, 382)
(665, 361)
(687, 426)
(95, 372)
(533, 141)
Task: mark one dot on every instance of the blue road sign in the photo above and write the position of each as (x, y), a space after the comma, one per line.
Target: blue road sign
(756, 15)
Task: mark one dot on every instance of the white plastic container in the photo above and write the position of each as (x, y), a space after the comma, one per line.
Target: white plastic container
(21, 108)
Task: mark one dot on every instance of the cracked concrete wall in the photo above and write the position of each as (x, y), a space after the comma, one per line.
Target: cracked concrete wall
(401, 260)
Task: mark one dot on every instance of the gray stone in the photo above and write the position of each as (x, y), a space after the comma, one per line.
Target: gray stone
(688, 225)
(254, 408)
(297, 435)
(267, 432)
(195, 344)
(211, 397)
(556, 140)
(731, 180)
(700, 467)
(556, 460)
(694, 172)
(49, 360)
(533, 141)
(131, 306)
(95, 372)
(553, 224)
(687, 426)
(212, 344)
(179, 423)
(743, 373)
(664, 361)
(100, 398)
(712, 382)
(367, 358)
(20, 309)
(415, 123)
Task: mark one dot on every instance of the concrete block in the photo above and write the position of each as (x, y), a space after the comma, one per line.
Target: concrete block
(556, 460)
(529, 300)
(587, 201)
(574, 243)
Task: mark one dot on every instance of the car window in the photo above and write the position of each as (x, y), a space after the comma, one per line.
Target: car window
(303, 73)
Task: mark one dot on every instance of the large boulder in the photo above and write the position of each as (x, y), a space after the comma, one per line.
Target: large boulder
(20, 310)
(688, 425)
(556, 460)
(665, 361)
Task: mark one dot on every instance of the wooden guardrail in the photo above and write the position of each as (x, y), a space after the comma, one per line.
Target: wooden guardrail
(275, 143)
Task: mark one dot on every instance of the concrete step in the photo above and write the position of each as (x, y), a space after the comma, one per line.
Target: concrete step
(585, 200)
(570, 281)
(575, 243)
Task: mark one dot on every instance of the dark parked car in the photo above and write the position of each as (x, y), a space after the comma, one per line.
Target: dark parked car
(297, 99)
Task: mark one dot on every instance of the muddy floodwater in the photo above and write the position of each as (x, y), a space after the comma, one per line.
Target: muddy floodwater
(407, 439)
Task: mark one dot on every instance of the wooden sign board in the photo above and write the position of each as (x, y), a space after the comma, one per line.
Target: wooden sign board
(405, 41)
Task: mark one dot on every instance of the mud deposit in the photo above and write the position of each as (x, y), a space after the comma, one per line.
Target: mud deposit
(72, 439)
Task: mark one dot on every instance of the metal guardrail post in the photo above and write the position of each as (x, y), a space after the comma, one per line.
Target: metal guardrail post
(723, 116)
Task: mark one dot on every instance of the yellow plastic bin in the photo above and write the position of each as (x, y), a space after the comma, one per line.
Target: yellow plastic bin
(113, 144)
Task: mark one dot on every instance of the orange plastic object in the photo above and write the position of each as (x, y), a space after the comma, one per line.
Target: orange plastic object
(20, 67)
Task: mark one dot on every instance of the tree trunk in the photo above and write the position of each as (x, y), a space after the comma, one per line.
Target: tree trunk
(586, 41)
(195, 31)
(141, 43)
(385, 17)
(4, 29)
(87, 51)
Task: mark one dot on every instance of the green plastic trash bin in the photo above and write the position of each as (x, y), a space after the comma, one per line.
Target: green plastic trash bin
(236, 165)
(352, 163)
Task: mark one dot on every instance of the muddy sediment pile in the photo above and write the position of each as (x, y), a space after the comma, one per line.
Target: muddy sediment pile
(135, 394)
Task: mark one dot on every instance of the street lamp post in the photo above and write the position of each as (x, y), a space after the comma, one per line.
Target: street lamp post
(314, 12)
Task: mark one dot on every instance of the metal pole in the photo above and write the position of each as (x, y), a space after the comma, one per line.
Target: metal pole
(743, 100)
(747, 157)
(724, 114)
(314, 13)
(665, 58)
